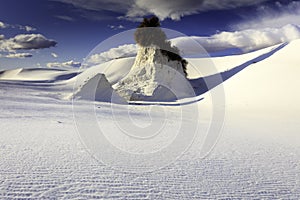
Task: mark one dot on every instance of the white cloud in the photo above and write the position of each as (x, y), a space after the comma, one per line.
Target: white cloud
(177, 9)
(21, 27)
(2, 37)
(162, 8)
(273, 18)
(29, 28)
(246, 40)
(96, 5)
(68, 64)
(122, 51)
(26, 42)
(2, 25)
(116, 27)
(17, 55)
(64, 17)
(54, 55)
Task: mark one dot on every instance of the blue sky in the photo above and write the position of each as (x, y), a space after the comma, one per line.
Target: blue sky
(65, 30)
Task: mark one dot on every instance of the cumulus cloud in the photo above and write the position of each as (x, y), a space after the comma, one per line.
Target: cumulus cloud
(17, 55)
(21, 27)
(246, 40)
(1, 37)
(68, 64)
(162, 8)
(28, 28)
(272, 17)
(2, 25)
(122, 51)
(177, 9)
(26, 42)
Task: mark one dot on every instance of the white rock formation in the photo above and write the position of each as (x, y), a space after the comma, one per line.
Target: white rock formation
(96, 88)
(154, 77)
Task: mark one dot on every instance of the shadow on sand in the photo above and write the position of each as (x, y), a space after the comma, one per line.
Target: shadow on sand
(204, 84)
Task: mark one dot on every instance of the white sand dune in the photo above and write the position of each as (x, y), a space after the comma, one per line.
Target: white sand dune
(37, 74)
(256, 157)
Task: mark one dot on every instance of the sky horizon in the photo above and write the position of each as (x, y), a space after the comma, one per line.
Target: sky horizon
(46, 33)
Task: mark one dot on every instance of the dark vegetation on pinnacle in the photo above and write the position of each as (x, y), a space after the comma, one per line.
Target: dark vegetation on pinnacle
(149, 33)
